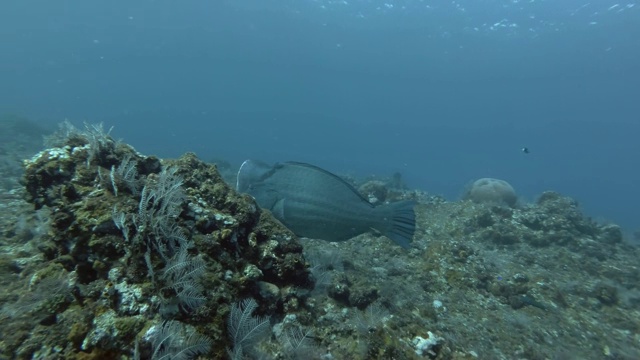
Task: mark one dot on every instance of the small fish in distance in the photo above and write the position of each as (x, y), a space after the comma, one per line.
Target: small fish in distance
(525, 150)
(315, 203)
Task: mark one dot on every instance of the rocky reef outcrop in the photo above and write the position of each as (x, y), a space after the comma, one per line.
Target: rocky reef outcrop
(135, 241)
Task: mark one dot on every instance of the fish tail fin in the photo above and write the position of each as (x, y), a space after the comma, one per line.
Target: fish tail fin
(400, 222)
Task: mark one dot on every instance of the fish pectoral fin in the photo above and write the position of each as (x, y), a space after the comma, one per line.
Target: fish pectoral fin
(278, 209)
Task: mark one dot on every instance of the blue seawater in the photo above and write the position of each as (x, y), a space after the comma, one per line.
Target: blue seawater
(442, 91)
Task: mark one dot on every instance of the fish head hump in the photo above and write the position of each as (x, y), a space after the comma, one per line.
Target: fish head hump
(254, 179)
(250, 173)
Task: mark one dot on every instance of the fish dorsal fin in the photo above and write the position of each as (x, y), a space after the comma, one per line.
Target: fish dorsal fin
(313, 167)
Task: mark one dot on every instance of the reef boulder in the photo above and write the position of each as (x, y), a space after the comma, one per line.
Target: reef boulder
(491, 191)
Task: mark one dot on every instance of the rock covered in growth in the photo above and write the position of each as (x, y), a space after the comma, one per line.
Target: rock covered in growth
(553, 220)
(374, 190)
(135, 240)
(491, 191)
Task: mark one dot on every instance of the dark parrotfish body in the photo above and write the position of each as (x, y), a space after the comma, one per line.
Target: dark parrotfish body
(315, 203)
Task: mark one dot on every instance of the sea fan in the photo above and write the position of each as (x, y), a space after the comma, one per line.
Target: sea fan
(182, 275)
(299, 344)
(243, 328)
(175, 341)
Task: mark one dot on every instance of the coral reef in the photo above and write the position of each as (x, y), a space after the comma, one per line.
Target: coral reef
(120, 255)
